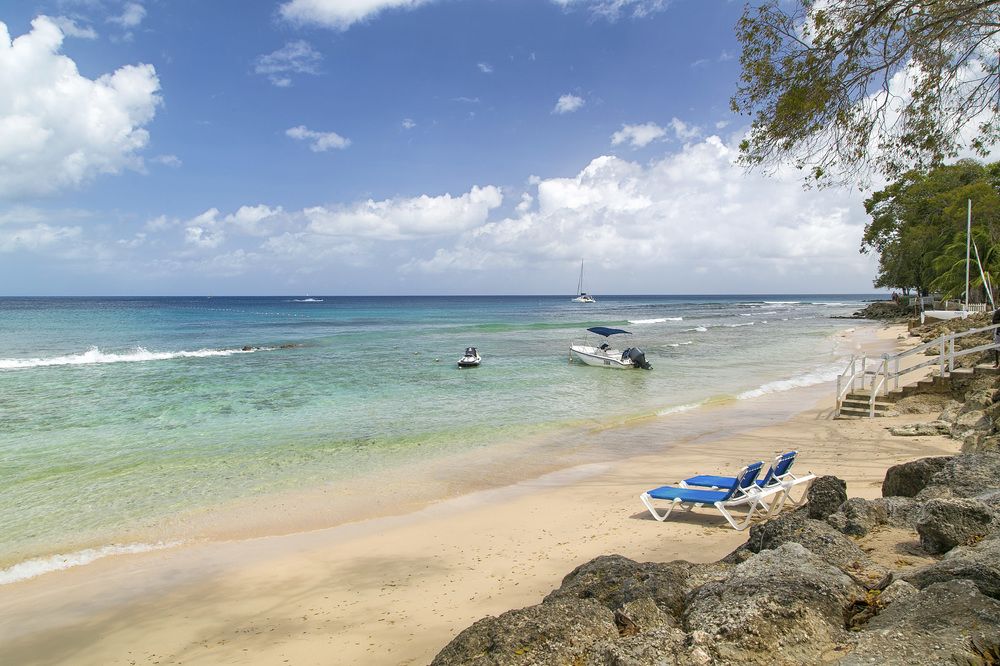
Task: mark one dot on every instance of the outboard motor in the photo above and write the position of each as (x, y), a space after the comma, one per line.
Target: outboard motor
(638, 358)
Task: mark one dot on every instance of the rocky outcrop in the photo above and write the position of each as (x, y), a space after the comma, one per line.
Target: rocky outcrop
(979, 563)
(780, 606)
(908, 479)
(948, 522)
(857, 517)
(929, 429)
(826, 494)
(935, 626)
(967, 475)
(561, 632)
(884, 311)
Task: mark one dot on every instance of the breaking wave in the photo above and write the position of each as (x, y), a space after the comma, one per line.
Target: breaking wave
(94, 356)
(820, 375)
(659, 320)
(43, 565)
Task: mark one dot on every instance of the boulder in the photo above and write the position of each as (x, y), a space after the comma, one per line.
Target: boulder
(929, 429)
(936, 626)
(858, 517)
(780, 606)
(641, 616)
(562, 632)
(979, 563)
(823, 541)
(900, 511)
(948, 522)
(614, 581)
(909, 478)
(898, 589)
(970, 423)
(965, 475)
(665, 646)
(924, 403)
(826, 494)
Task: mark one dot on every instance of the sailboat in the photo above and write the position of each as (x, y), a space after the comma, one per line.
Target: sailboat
(584, 297)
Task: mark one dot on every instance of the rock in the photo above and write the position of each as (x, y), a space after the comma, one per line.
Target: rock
(641, 616)
(949, 522)
(979, 563)
(929, 429)
(857, 517)
(969, 422)
(562, 632)
(823, 541)
(932, 627)
(965, 475)
(898, 589)
(908, 479)
(660, 647)
(900, 511)
(826, 494)
(614, 581)
(924, 403)
(781, 606)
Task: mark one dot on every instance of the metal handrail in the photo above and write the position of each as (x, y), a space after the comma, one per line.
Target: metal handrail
(881, 377)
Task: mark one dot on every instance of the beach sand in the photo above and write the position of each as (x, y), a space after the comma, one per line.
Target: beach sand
(396, 589)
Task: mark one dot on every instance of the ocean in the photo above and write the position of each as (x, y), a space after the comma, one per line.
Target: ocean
(117, 415)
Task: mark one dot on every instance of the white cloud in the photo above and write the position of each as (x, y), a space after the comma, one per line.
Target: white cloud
(210, 229)
(131, 16)
(683, 131)
(321, 141)
(70, 28)
(612, 10)
(298, 57)
(36, 237)
(638, 136)
(485, 67)
(568, 104)
(398, 219)
(167, 160)
(340, 14)
(408, 124)
(693, 212)
(59, 129)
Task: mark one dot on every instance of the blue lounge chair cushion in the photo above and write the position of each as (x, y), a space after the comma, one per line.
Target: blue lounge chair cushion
(709, 481)
(688, 495)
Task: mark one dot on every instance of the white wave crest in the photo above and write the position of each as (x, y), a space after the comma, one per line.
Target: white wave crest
(830, 305)
(43, 565)
(659, 320)
(820, 375)
(679, 408)
(749, 323)
(95, 355)
(307, 300)
(696, 329)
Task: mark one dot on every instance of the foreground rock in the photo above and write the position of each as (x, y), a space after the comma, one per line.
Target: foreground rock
(782, 605)
(908, 479)
(934, 627)
(967, 475)
(948, 522)
(561, 632)
(979, 564)
(826, 494)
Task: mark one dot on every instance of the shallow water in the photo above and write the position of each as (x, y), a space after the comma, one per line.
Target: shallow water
(118, 413)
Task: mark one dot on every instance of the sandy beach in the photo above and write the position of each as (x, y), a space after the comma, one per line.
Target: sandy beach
(395, 589)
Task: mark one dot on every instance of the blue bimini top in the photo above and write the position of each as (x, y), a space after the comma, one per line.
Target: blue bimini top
(602, 330)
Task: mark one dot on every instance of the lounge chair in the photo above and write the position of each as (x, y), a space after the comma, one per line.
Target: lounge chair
(742, 492)
(778, 475)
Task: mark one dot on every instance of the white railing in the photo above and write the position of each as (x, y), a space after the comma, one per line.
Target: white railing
(888, 369)
(976, 307)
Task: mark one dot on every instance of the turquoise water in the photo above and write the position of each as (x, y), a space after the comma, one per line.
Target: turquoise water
(123, 412)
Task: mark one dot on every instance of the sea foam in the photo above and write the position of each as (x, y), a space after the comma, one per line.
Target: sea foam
(821, 375)
(43, 565)
(659, 320)
(95, 355)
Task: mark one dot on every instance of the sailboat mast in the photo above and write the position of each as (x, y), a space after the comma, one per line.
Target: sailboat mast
(579, 285)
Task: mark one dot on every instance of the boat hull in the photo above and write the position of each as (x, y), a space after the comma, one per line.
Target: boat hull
(597, 357)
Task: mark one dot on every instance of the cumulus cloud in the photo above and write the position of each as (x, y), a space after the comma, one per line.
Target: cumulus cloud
(132, 15)
(638, 136)
(36, 237)
(321, 141)
(485, 67)
(691, 212)
(408, 124)
(167, 160)
(684, 131)
(567, 104)
(210, 229)
(612, 10)
(340, 14)
(71, 28)
(398, 219)
(298, 57)
(59, 129)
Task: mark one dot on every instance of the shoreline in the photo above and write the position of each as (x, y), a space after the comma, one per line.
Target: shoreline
(395, 589)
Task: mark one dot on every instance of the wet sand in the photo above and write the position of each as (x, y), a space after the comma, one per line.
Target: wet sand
(395, 589)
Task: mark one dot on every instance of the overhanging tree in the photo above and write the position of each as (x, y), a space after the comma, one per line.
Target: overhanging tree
(844, 88)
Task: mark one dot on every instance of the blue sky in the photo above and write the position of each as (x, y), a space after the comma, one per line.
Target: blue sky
(394, 147)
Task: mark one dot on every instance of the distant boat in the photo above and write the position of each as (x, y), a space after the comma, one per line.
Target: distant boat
(307, 300)
(606, 356)
(584, 297)
(471, 358)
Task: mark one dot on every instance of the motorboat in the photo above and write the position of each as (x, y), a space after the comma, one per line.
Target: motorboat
(606, 356)
(471, 358)
(584, 297)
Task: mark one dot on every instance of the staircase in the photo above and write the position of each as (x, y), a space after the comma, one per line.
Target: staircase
(858, 404)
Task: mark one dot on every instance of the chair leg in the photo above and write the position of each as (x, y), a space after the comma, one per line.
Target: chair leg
(648, 501)
(739, 526)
